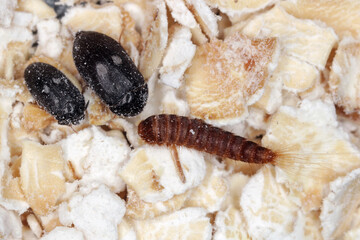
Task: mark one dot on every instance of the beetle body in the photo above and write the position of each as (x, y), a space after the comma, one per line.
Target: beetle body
(53, 91)
(110, 72)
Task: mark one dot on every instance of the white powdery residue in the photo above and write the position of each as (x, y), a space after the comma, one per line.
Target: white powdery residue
(131, 235)
(10, 225)
(213, 191)
(340, 205)
(53, 136)
(34, 225)
(134, 53)
(318, 92)
(256, 118)
(70, 189)
(207, 16)
(253, 196)
(58, 174)
(237, 14)
(240, 49)
(23, 19)
(7, 12)
(16, 115)
(188, 223)
(63, 233)
(303, 39)
(136, 13)
(130, 130)
(105, 159)
(181, 13)
(178, 57)
(229, 225)
(229, 121)
(185, 215)
(352, 234)
(10, 92)
(96, 157)
(68, 2)
(160, 5)
(193, 166)
(345, 68)
(268, 211)
(14, 205)
(50, 42)
(159, 162)
(6, 108)
(319, 112)
(75, 148)
(173, 105)
(14, 34)
(88, 7)
(96, 214)
(220, 226)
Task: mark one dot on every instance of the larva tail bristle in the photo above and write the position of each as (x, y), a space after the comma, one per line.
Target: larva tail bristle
(296, 164)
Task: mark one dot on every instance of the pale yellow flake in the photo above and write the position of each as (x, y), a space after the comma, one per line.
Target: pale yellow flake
(50, 221)
(145, 172)
(37, 7)
(303, 39)
(106, 19)
(41, 175)
(211, 193)
(139, 210)
(155, 39)
(225, 76)
(236, 9)
(97, 112)
(35, 118)
(186, 224)
(344, 80)
(204, 16)
(237, 181)
(15, 55)
(126, 230)
(312, 150)
(290, 74)
(12, 189)
(341, 15)
(230, 225)
(340, 205)
(269, 210)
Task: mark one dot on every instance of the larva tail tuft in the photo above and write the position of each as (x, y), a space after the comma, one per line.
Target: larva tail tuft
(297, 164)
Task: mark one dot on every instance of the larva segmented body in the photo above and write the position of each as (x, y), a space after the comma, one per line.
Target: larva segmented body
(195, 133)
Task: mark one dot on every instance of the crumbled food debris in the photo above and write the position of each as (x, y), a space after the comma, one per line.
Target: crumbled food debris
(283, 74)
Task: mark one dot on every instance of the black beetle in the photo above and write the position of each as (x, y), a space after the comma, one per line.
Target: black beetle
(53, 91)
(106, 67)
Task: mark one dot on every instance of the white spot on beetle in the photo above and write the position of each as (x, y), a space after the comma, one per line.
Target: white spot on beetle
(46, 89)
(101, 70)
(116, 59)
(57, 80)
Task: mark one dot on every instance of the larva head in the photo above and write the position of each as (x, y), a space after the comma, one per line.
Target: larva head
(146, 129)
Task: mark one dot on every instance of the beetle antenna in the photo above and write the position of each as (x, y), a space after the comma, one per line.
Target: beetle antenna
(73, 129)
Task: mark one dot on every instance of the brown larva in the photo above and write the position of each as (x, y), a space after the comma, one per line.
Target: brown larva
(195, 133)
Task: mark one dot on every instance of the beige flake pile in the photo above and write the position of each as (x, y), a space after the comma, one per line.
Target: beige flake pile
(282, 73)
